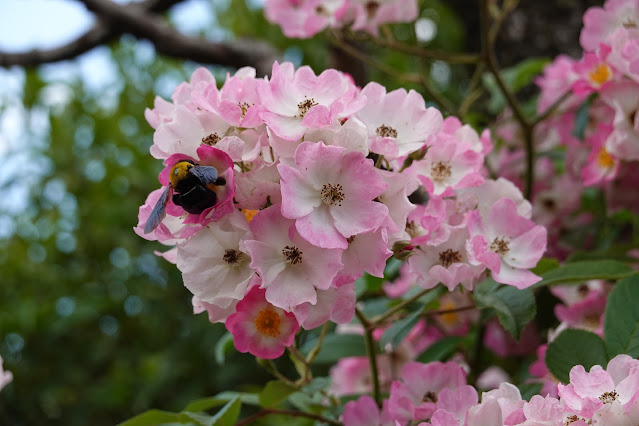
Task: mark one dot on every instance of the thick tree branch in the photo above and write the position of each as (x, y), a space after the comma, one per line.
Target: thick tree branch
(100, 33)
(142, 21)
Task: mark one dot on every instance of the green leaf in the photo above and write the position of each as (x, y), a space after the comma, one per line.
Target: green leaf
(515, 308)
(275, 392)
(585, 270)
(574, 347)
(200, 419)
(528, 390)
(581, 118)
(336, 346)
(545, 265)
(222, 347)
(440, 350)
(228, 414)
(621, 323)
(205, 404)
(398, 331)
(152, 417)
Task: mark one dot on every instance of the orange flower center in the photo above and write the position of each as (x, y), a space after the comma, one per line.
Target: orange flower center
(600, 74)
(268, 322)
(605, 160)
(249, 214)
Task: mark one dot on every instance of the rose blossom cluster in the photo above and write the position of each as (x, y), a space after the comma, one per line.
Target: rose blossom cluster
(316, 178)
(595, 127)
(436, 394)
(305, 18)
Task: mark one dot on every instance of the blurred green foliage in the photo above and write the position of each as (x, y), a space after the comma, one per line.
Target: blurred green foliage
(93, 325)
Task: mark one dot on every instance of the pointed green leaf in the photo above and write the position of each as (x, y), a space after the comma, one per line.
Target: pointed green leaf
(205, 404)
(336, 346)
(515, 308)
(398, 331)
(228, 415)
(621, 323)
(575, 347)
(440, 350)
(578, 272)
(152, 418)
(275, 392)
(188, 417)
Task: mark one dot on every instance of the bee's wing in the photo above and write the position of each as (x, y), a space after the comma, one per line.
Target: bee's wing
(158, 212)
(206, 174)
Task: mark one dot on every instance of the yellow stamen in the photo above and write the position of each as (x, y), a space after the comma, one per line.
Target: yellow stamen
(605, 160)
(600, 74)
(268, 322)
(249, 214)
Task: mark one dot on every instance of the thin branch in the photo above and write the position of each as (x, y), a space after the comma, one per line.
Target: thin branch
(453, 58)
(171, 42)
(386, 69)
(370, 344)
(292, 413)
(551, 109)
(381, 318)
(362, 57)
(142, 21)
(488, 54)
(100, 33)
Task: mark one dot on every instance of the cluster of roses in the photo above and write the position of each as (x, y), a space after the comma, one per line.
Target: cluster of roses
(595, 128)
(305, 18)
(317, 177)
(437, 395)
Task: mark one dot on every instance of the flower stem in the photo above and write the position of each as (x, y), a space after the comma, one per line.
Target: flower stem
(369, 342)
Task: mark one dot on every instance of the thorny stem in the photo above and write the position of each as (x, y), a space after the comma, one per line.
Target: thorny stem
(268, 411)
(369, 342)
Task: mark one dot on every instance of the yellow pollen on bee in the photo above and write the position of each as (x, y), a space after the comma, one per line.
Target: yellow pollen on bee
(604, 159)
(249, 214)
(600, 74)
(267, 322)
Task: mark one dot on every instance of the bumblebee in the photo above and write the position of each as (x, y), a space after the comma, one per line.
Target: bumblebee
(190, 187)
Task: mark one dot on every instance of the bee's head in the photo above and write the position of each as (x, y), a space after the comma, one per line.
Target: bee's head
(179, 171)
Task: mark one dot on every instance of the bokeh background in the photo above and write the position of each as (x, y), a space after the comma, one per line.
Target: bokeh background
(94, 326)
